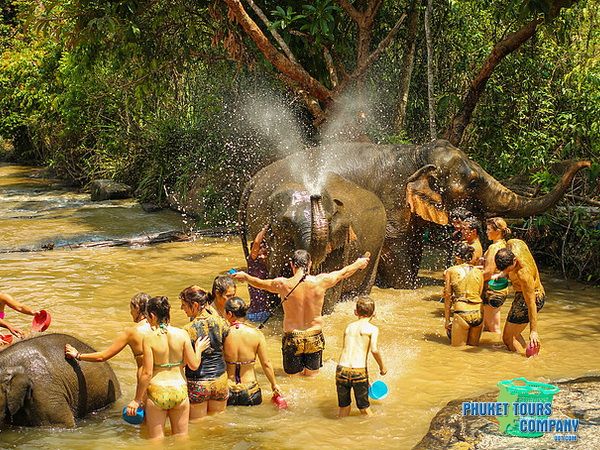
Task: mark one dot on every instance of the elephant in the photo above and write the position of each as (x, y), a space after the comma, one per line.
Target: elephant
(41, 387)
(417, 184)
(337, 223)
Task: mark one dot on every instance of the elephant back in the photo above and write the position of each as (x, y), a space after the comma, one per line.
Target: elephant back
(85, 386)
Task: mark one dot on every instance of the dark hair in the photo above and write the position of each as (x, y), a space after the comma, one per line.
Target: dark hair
(236, 306)
(139, 302)
(499, 224)
(473, 223)
(365, 306)
(504, 258)
(220, 284)
(160, 307)
(464, 251)
(460, 213)
(301, 260)
(194, 294)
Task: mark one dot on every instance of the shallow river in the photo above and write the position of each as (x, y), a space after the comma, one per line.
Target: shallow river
(88, 290)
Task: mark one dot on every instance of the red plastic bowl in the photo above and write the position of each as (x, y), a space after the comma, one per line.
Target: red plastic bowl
(531, 350)
(41, 321)
(6, 338)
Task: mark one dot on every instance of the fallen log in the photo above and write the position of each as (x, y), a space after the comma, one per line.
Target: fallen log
(137, 241)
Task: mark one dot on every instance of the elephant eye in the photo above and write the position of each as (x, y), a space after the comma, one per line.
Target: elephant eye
(474, 183)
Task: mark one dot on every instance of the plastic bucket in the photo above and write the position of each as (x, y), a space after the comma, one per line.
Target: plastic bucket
(498, 284)
(6, 339)
(523, 391)
(134, 420)
(41, 321)
(378, 390)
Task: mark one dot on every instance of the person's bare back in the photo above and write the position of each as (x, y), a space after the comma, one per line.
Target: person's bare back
(357, 342)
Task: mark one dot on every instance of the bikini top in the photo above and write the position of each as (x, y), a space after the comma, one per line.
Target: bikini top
(169, 364)
(240, 363)
(2, 315)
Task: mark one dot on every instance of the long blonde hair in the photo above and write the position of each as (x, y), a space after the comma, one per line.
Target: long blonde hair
(499, 224)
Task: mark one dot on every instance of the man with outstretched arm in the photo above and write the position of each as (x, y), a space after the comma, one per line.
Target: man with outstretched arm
(302, 298)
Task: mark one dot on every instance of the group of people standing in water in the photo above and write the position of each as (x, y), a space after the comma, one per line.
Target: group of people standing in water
(187, 374)
(476, 287)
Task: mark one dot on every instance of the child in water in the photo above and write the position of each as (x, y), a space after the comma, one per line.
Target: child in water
(360, 337)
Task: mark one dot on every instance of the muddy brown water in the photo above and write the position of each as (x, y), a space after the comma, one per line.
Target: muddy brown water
(87, 291)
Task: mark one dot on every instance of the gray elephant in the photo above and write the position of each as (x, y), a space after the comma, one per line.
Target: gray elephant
(417, 184)
(41, 387)
(336, 225)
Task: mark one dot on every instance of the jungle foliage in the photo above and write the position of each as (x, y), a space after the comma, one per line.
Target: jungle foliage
(153, 93)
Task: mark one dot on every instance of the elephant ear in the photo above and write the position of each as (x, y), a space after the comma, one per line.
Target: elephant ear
(19, 389)
(423, 200)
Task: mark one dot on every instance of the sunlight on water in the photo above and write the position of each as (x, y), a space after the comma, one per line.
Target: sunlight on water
(88, 291)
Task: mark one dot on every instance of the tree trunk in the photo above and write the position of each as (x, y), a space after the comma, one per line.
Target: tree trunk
(430, 97)
(503, 48)
(407, 65)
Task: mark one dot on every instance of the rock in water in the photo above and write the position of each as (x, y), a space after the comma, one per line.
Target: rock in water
(108, 190)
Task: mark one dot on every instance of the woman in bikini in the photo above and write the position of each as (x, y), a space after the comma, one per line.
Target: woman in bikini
(7, 300)
(497, 232)
(243, 344)
(207, 386)
(166, 350)
(131, 336)
(462, 295)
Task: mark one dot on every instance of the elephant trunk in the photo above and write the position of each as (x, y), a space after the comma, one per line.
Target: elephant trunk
(319, 231)
(501, 201)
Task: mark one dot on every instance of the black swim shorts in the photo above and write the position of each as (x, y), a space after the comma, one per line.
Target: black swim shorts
(519, 314)
(244, 394)
(495, 298)
(302, 349)
(347, 379)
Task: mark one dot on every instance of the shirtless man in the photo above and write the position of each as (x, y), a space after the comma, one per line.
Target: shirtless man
(302, 297)
(351, 373)
(517, 262)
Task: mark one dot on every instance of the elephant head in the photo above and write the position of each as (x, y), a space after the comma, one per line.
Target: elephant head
(15, 391)
(447, 178)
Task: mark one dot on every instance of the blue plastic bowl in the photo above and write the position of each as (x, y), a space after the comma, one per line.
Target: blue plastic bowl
(134, 420)
(378, 390)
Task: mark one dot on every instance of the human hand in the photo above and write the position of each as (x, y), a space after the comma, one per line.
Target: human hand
(364, 260)
(534, 339)
(240, 276)
(16, 332)
(133, 407)
(202, 343)
(70, 351)
(276, 389)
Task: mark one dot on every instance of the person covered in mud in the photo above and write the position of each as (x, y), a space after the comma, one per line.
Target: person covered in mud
(470, 233)
(302, 297)
(8, 300)
(462, 296)
(132, 336)
(258, 310)
(493, 297)
(517, 262)
(242, 346)
(207, 385)
(360, 337)
(223, 288)
(457, 218)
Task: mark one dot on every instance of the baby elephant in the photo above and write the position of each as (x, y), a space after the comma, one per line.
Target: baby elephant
(40, 387)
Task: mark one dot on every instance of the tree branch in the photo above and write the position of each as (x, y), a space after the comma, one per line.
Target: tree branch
(291, 69)
(350, 10)
(273, 32)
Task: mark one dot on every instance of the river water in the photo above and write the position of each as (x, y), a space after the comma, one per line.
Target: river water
(88, 290)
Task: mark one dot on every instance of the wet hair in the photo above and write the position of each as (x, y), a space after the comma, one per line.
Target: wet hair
(504, 258)
(220, 285)
(194, 294)
(498, 224)
(160, 307)
(464, 251)
(461, 214)
(473, 223)
(301, 260)
(139, 302)
(236, 306)
(365, 306)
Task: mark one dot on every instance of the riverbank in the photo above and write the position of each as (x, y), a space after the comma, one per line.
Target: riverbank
(578, 398)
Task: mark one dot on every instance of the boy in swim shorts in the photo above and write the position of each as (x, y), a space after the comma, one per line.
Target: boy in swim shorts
(360, 337)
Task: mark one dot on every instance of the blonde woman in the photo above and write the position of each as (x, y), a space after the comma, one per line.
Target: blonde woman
(493, 299)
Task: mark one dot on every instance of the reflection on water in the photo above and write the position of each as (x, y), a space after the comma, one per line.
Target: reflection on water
(88, 292)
